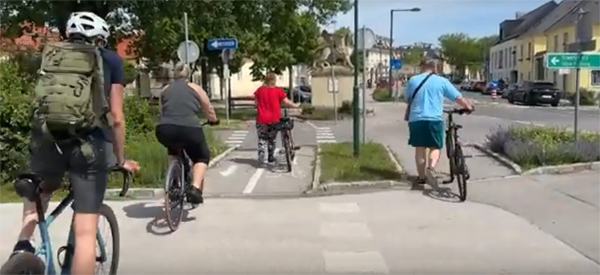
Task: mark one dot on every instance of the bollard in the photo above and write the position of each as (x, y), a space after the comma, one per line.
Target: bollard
(494, 94)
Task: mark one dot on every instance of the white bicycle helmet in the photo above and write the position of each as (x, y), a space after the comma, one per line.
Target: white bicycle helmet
(87, 24)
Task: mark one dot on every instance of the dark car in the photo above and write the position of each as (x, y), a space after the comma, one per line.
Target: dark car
(536, 92)
(300, 94)
(479, 86)
(509, 89)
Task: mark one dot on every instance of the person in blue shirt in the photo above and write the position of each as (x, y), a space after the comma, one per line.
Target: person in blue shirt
(425, 117)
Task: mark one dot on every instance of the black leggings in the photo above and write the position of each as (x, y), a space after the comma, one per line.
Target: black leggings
(190, 139)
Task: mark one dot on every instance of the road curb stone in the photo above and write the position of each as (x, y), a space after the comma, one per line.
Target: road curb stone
(155, 193)
(544, 170)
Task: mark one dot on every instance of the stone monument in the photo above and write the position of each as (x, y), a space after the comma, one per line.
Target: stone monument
(333, 61)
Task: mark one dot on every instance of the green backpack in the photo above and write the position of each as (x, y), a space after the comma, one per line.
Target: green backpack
(69, 93)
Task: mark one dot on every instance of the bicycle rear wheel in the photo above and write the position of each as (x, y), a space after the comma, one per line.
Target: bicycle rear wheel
(460, 172)
(23, 263)
(174, 195)
(109, 214)
(285, 140)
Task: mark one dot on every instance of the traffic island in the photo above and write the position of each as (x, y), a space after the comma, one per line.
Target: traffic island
(338, 171)
(534, 150)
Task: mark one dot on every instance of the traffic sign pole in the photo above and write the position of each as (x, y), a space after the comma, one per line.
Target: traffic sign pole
(226, 46)
(187, 39)
(225, 58)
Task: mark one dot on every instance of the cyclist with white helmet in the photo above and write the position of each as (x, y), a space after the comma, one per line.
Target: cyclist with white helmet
(86, 157)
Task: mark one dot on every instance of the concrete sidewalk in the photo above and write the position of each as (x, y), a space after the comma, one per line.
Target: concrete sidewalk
(388, 127)
(395, 232)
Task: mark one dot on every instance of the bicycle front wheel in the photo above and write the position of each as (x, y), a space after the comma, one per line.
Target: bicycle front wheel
(460, 172)
(174, 195)
(103, 256)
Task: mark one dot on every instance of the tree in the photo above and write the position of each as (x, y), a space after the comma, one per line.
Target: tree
(412, 56)
(463, 51)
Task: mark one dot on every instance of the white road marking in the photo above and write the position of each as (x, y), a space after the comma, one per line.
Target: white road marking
(237, 138)
(311, 125)
(234, 141)
(228, 171)
(253, 181)
(240, 132)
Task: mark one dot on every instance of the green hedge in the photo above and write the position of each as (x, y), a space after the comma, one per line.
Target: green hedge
(141, 145)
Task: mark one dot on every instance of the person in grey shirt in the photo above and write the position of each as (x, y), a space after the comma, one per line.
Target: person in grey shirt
(179, 127)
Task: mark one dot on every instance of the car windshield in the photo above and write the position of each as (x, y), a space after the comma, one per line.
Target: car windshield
(543, 85)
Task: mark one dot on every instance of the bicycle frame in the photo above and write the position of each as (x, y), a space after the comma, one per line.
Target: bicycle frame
(45, 247)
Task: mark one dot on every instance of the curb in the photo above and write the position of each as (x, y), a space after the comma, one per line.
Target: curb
(318, 187)
(153, 193)
(316, 182)
(503, 160)
(563, 169)
(544, 170)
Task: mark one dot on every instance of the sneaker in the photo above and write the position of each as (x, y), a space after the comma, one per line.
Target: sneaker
(431, 177)
(194, 196)
(420, 180)
(271, 160)
(23, 246)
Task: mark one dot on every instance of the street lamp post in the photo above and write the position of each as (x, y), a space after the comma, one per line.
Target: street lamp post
(392, 11)
(580, 14)
(355, 92)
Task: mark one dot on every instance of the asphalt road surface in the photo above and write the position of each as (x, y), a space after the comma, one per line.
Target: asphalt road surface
(397, 232)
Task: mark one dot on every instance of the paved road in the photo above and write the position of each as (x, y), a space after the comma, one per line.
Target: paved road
(239, 175)
(396, 232)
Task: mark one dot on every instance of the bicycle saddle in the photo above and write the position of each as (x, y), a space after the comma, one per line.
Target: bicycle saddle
(284, 119)
(34, 178)
(27, 185)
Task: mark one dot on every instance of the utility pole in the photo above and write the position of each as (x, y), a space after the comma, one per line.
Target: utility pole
(580, 14)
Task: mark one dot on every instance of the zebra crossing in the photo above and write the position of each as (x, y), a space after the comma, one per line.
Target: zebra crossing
(325, 135)
(237, 137)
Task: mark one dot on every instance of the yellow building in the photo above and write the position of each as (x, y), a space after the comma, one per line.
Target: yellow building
(507, 56)
(556, 33)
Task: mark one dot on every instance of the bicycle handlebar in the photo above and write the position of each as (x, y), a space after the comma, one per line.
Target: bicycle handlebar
(127, 179)
(211, 123)
(459, 111)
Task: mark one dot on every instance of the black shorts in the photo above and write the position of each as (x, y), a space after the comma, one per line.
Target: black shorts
(190, 139)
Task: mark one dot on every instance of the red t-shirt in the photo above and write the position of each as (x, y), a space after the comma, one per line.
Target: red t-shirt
(268, 104)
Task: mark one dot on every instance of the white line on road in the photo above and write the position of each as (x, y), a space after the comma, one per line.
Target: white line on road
(311, 125)
(240, 132)
(253, 181)
(326, 141)
(234, 141)
(237, 138)
(229, 171)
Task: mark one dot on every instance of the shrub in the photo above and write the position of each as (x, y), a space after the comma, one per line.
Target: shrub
(14, 119)
(535, 146)
(129, 71)
(383, 94)
(141, 117)
(586, 97)
(346, 107)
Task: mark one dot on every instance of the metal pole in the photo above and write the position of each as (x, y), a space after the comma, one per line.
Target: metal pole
(355, 93)
(226, 84)
(391, 47)
(334, 87)
(364, 85)
(187, 38)
(580, 14)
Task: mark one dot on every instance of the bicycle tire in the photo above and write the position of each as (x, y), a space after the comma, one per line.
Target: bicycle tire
(23, 263)
(109, 214)
(450, 151)
(460, 169)
(174, 195)
(285, 140)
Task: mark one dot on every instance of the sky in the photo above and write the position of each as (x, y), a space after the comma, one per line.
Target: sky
(437, 17)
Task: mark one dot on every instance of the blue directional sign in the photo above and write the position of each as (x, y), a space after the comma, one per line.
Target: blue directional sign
(217, 44)
(396, 64)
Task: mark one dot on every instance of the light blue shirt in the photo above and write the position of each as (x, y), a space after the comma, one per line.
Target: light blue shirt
(428, 104)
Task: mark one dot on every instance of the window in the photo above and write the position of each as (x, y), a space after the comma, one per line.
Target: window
(500, 59)
(595, 77)
(565, 41)
(521, 77)
(521, 52)
(555, 43)
(529, 50)
(514, 55)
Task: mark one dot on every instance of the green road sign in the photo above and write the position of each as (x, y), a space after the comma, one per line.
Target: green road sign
(569, 60)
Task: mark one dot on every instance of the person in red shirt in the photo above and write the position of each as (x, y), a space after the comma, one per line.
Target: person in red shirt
(269, 98)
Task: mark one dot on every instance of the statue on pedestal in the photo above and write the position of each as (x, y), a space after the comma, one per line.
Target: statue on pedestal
(334, 52)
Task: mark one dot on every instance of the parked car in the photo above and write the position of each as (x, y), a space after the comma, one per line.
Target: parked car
(479, 86)
(300, 94)
(536, 92)
(464, 85)
(509, 89)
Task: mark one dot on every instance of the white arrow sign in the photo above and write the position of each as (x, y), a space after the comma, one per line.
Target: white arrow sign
(554, 60)
(215, 44)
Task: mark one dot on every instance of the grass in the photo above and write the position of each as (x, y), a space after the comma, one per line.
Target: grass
(237, 118)
(339, 165)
